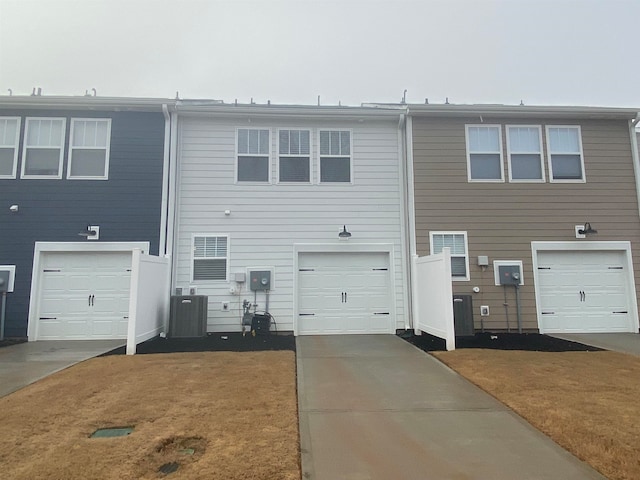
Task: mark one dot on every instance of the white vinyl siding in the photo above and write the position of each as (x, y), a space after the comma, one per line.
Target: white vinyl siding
(484, 153)
(89, 149)
(9, 138)
(294, 156)
(566, 161)
(253, 160)
(210, 257)
(335, 156)
(457, 244)
(43, 148)
(265, 221)
(524, 152)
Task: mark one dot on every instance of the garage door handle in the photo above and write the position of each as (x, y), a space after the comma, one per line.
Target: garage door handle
(381, 313)
(48, 318)
(548, 313)
(306, 314)
(621, 312)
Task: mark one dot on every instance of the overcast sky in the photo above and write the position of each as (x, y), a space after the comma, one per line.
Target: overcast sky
(544, 52)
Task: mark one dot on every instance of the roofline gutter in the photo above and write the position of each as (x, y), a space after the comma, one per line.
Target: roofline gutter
(290, 111)
(523, 111)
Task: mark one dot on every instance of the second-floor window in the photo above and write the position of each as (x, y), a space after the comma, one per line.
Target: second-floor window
(9, 138)
(43, 148)
(335, 156)
(253, 155)
(484, 153)
(294, 157)
(524, 147)
(89, 149)
(564, 144)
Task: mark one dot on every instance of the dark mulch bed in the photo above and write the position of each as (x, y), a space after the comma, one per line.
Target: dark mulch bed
(214, 342)
(11, 341)
(502, 341)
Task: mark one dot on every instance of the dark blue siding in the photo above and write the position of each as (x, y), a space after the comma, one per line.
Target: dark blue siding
(126, 206)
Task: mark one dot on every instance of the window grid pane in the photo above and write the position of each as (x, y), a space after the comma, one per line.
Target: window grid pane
(524, 140)
(484, 139)
(8, 132)
(210, 258)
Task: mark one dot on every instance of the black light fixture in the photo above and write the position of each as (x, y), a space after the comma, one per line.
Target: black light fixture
(587, 230)
(344, 234)
(91, 233)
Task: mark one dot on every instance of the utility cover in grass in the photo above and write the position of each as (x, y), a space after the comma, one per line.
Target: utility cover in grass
(112, 432)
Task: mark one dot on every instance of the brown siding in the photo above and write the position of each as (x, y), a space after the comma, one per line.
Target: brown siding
(502, 219)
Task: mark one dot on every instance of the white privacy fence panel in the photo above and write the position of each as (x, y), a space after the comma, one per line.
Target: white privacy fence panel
(149, 300)
(433, 296)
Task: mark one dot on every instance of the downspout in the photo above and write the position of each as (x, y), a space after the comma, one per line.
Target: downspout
(406, 277)
(173, 183)
(165, 181)
(411, 213)
(635, 156)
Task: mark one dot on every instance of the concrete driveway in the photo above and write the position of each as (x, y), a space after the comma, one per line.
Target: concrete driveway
(618, 342)
(26, 363)
(375, 407)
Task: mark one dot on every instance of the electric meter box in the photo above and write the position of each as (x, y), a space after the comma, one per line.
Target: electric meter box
(4, 280)
(510, 274)
(260, 280)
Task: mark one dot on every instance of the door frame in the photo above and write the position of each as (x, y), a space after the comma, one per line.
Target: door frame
(42, 248)
(384, 248)
(623, 247)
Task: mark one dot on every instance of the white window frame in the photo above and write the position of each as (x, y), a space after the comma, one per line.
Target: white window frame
(268, 157)
(15, 146)
(467, 277)
(107, 149)
(193, 257)
(539, 152)
(321, 156)
(549, 153)
(466, 138)
(285, 155)
(25, 147)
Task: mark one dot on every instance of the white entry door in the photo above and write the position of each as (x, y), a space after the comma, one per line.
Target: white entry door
(583, 292)
(84, 295)
(342, 293)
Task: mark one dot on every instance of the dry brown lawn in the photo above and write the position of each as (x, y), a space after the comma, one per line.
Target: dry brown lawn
(588, 402)
(220, 415)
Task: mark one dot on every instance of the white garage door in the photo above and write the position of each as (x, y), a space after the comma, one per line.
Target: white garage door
(344, 293)
(84, 296)
(584, 292)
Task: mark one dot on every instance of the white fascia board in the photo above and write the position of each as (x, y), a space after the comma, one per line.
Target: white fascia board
(86, 102)
(291, 111)
(524, 111)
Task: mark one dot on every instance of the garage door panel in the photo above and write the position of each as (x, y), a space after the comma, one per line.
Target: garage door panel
(585, 290)
(341, 293)
(86, 293)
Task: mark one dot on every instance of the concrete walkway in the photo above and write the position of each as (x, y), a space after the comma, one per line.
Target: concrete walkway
(26, 363)
(618, 342)
(375, 407)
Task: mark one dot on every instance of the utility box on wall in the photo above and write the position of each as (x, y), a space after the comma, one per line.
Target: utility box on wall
(509, 274)
(463, 315)
(188, 316)
(260, 280)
